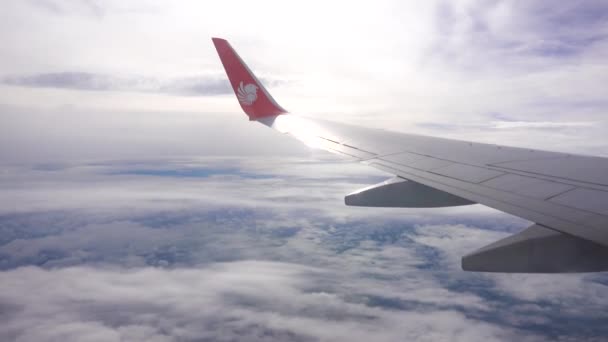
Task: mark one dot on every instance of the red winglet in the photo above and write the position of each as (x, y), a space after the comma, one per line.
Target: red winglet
(253, 97)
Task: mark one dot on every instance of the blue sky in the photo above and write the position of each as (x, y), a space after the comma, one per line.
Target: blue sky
(137, 202)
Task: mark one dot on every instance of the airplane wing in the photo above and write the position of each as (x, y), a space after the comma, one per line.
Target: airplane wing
(565, 195)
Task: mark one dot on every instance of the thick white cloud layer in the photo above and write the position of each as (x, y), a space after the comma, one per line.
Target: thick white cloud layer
(249, 300)
(174, 250)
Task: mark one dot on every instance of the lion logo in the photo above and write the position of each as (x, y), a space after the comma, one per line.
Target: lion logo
(247, 94)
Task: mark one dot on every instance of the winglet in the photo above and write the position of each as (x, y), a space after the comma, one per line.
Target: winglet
(256, 104)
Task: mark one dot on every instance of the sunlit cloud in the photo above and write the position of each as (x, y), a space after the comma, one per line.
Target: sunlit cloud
(138, 203)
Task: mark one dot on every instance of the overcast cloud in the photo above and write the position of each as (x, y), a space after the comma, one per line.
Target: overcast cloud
(406, 66)
(137, 202)
(188, 86)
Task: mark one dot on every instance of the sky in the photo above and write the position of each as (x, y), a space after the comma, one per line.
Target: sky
(137, 202)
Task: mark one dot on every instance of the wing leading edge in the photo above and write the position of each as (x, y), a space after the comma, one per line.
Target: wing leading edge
(565, 195)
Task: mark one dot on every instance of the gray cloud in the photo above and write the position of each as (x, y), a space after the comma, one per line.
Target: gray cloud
(515, 31)
(474, 56)
(187, 86)
(71, 133)
(86, 8)
(511, 124)
(540, 124)
(75, 80)
(98, 82)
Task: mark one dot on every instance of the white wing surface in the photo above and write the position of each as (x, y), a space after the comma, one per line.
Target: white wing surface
(565, 195)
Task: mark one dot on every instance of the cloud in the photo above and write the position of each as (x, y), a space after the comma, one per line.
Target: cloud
(508, 124)
(156, 255)
(72, 133)
(91, 243)
(513, 31)
(188, 86)
(248, 300)
(539, 125)
(91, 8)
(454, 61)
(159, 245)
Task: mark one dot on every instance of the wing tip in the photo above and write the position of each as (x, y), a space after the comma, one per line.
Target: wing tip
(256, 104)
